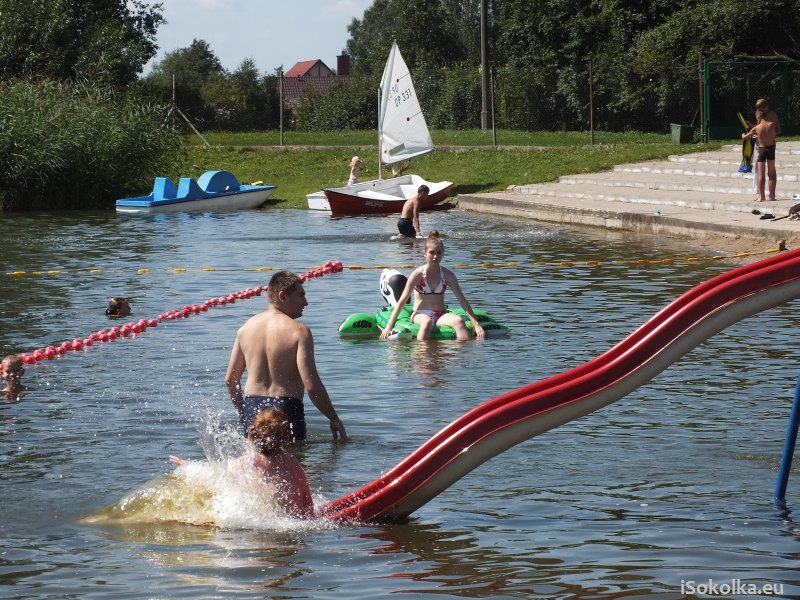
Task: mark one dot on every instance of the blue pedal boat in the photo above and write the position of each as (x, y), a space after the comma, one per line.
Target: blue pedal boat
(213, 191)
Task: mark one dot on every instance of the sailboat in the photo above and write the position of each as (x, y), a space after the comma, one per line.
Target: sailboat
(403, 134)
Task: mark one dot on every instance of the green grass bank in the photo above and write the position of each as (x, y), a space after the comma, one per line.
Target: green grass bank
(307, 162)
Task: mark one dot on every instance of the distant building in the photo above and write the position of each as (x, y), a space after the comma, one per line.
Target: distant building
(316, 74)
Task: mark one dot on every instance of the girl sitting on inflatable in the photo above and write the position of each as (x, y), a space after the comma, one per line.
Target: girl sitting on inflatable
(430, 282)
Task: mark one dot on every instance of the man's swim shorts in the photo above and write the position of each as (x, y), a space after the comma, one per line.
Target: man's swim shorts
(406, 227)
(291, 407)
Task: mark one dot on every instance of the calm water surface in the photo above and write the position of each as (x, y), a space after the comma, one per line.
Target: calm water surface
(671, 484)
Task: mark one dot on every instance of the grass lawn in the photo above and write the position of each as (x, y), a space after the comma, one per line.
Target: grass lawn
(310, 161)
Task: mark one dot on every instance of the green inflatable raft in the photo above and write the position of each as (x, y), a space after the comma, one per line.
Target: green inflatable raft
(365, 325)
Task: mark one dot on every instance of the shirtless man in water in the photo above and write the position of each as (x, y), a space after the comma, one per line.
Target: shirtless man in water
(408, 223)
(278, 353)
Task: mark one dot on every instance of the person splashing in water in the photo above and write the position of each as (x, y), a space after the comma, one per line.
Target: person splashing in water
(430, 282)
(268, 433)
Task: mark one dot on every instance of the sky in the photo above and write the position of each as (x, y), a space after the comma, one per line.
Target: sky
(273, 33)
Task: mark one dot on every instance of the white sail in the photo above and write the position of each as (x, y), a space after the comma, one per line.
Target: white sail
(403, 131)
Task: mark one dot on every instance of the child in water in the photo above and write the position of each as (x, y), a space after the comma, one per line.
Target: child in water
(118, 307)
(11, 371)
(268, 433)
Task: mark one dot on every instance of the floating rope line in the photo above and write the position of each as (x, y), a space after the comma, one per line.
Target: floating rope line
(575, 263)
(135, 328)
(483, 265)
(144, 271)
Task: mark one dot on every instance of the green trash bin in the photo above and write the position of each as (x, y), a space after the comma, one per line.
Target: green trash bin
(682, 134)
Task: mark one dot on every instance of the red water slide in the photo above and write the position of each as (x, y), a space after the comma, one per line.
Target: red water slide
(516, 416)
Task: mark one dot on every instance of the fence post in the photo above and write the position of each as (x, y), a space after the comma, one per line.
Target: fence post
(705, 100)
(591, 104)
(702, 103)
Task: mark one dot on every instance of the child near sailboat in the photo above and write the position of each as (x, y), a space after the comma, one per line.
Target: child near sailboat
(355, 163)
(403, 135)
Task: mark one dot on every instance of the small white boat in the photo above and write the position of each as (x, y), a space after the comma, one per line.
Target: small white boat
(318, 201)
(403, 134)
(213, 191)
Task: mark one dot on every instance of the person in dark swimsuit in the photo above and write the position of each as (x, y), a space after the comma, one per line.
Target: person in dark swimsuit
(278, 353)
(408, 223)
(765, 130)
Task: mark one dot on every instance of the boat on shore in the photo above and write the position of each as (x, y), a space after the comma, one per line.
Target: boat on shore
(402, 135)
(383, 196)
(212, 191)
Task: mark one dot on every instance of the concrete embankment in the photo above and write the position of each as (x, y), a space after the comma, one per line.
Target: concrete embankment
(695, 196)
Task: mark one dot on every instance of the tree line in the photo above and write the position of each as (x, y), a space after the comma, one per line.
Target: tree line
(644, 58)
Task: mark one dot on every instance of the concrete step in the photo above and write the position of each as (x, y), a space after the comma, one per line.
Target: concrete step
(786, 153)
(700, 200)
(786, 166)
(743, 184)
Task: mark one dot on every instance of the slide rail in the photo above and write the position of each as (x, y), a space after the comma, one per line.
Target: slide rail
(521, 414)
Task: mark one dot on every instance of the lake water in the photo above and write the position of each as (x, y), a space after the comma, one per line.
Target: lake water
(656, 495)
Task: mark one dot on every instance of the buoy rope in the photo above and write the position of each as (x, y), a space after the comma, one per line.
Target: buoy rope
(134, 328)
(482, 265)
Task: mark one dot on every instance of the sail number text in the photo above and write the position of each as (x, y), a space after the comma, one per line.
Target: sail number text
(400, 96)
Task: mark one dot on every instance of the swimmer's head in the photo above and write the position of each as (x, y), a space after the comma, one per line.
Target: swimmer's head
(434, 241)
(12, 368)
(118, 307)
(270, 430)
(423, 190)
(282, 281)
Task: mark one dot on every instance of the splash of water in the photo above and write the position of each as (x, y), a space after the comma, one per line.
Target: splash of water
(221, 491)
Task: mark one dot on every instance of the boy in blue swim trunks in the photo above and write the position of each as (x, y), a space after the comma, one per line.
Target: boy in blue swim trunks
(278, 353)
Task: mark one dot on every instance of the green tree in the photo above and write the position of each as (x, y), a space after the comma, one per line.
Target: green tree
(421, 28)
(107, 40)
(260, 97)
(191, 69)
(343, 106)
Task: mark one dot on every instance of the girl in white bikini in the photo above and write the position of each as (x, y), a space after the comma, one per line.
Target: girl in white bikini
(430, 282)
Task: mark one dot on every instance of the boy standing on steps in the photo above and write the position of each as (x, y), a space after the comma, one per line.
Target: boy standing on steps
(765, 130)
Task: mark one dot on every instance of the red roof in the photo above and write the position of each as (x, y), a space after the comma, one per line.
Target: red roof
(303, 68)
(292, 86)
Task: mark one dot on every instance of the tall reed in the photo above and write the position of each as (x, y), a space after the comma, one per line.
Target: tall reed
(77, 145)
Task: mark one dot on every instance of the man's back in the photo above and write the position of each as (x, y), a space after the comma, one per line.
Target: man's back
(269, 342)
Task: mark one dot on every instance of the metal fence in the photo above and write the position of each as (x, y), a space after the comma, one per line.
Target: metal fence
(731, 87)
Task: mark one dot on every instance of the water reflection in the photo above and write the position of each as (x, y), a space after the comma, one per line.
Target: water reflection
(432, 361)
(674, 480)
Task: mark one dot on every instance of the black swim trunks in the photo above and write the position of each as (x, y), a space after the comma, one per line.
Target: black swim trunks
(291, 407)
(766, 153)
(406, 227)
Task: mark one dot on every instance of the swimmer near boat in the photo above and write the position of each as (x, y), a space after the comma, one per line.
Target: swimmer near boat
(392, 283)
